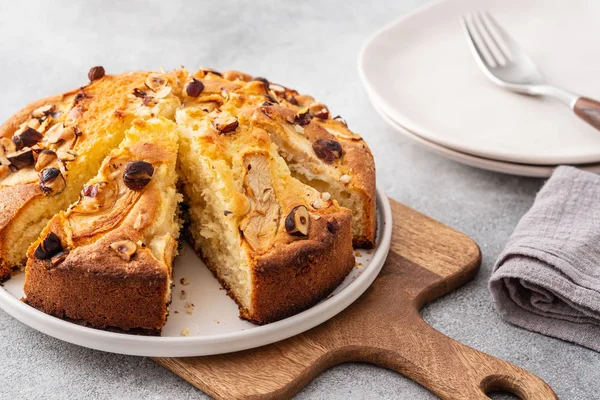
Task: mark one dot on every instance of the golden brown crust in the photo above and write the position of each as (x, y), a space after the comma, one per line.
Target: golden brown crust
(95, 285)
(304, 272)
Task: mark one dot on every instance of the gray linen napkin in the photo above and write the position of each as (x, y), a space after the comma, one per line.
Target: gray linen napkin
(547, 279)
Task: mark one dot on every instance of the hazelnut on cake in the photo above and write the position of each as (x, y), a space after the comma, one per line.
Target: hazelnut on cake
(49, 149)
(107, 260)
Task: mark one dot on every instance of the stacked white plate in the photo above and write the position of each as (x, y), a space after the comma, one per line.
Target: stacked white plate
(422, 79)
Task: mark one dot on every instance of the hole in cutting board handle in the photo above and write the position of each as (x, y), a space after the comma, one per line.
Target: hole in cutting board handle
(502, 387)
(501, 395)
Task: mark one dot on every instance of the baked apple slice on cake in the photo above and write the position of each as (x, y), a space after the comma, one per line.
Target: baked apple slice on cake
(107, 260)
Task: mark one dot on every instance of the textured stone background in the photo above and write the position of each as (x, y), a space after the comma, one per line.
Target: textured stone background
(47, 47)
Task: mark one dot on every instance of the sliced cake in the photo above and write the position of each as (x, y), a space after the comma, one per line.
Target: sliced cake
(277, 192)
(71, 133)
(107, 260)
(276, 244)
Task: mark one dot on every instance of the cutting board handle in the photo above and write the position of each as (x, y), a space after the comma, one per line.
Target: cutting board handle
(453, 370)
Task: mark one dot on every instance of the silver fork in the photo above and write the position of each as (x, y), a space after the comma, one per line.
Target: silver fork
(505, 63)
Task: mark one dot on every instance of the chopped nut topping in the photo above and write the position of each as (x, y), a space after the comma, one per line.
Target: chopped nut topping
(141, 220)
(319, 110)
(58, 133)
(34, 123)
(267, 111)
(45, 158)
(264, 81)
(325, 196)
(194, 88)
(345, 179)
(225, 124)
(28, 138)
(184, 281)
(299, 129)
(319, 203)
(271, 99)
(297, 222)
(96, 73)
(156, 82)
(327, 150)
(162, 93)
(303, 117)
(183, 295)
(278, 89)
(139, 93)
(49, 247)
(137, 174)
(90, 191)
(58, 258)
(78, 97)
(74, 114)
(207, 71)
(43, 111)
(21, 159)
(51, 181)
(185, 331)
(236, 75)
(66, 155)
(342, 120)
(189, 307)
(124, 249)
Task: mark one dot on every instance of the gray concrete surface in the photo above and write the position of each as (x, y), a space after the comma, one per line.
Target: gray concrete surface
(47, 47)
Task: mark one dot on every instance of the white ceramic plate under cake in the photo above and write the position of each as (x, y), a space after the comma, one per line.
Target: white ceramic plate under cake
(423, 74)
(536, 171)
(214, 325)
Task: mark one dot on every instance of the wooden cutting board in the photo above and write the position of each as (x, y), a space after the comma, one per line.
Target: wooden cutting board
(427, 260)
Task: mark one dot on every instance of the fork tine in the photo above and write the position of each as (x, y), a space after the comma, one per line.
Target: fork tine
(488, 37)
(498, 35)
(509, 43)
(482, 53)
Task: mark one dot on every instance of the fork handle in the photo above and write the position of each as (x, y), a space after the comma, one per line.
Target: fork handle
(588, 110)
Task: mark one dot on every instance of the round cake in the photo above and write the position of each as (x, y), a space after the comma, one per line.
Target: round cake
(273, 194)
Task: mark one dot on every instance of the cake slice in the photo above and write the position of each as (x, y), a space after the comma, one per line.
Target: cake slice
(71, 133)
(107, 260)
(318, 148)
(276, 244)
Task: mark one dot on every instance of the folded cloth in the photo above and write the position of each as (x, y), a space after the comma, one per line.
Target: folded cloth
(547, 279)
